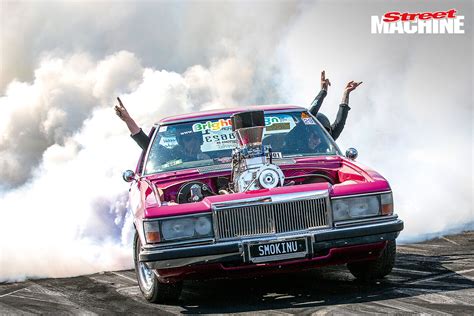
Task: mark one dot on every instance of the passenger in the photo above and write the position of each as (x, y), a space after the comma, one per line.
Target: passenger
(304, 140)
(336, 128)
(189, 142)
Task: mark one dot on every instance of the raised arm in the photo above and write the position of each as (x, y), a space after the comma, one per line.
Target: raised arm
(318, 101)
(135, 132)
(338, 125)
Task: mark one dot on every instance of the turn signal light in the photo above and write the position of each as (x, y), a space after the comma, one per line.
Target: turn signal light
(387, 203)
(152, 231)
(153, 237)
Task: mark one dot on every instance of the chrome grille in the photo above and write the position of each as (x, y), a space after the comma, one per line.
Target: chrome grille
(269, 218)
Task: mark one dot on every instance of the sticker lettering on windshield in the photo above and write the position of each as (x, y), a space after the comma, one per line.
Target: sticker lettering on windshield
(172, 163)
(283, 123)
(212, 125)
(307, 119)
(215, 126)
(277, 154)
(168, 141)
(279, 127)
(219, 140)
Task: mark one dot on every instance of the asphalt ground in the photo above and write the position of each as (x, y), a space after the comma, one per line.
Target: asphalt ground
(434, 277)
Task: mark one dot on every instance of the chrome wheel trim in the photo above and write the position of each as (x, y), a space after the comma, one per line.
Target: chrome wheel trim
(146, 276)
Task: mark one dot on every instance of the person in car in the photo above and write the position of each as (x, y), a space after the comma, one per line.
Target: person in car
(336, 128)
(189, 142)
(304, 139)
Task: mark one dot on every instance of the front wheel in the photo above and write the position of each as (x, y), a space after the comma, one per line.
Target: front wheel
(153, 290)
(376, 269)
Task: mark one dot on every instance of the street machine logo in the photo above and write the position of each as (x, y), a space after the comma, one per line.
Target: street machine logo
(439, 22)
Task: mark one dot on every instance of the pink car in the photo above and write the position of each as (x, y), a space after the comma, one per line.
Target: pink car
(253, 191)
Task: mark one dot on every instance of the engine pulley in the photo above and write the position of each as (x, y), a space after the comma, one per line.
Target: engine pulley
(270, 176)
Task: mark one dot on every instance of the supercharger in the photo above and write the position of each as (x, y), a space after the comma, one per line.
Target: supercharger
(252, 166)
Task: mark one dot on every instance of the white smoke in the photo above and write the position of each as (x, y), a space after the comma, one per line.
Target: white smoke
(411, 119)
(63, 205)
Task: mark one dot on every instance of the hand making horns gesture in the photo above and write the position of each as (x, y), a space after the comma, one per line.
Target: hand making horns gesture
(352, 85)
(325, 83)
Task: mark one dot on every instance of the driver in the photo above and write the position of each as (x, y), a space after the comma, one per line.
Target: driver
(189, 144)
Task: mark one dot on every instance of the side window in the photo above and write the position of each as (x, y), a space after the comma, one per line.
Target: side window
(141, 161)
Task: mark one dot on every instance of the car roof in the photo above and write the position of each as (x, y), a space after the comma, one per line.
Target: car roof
(226, 112)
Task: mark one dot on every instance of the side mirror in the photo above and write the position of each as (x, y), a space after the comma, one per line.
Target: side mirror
(352, 153)
(128, 175)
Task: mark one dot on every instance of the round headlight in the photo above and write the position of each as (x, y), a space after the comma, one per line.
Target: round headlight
(203, 226)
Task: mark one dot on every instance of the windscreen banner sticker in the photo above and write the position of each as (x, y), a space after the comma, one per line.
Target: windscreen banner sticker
(282, 123)
(212, 125)
(215, 126)
(307, 119)
(223, 139)
(278, 127)
(218, 134)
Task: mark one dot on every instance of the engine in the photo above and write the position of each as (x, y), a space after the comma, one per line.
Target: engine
(252, 166)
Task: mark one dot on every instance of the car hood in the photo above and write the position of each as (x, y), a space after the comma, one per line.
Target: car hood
(353, 179)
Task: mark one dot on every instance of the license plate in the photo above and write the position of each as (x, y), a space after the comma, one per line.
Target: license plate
(278, 250)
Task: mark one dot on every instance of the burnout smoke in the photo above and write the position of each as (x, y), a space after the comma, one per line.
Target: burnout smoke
(63, 205)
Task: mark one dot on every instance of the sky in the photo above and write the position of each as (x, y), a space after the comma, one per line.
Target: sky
(63, 205)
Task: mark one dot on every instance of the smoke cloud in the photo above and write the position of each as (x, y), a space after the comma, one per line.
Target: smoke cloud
(63, 205)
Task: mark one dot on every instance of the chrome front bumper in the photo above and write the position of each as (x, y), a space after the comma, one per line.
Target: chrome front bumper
(344, 234)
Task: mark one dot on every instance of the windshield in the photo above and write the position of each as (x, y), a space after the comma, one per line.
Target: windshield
(210, 142)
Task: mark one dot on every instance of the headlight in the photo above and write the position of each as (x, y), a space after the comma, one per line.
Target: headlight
(188, 227)
(177, 228)
(203, 226)
(357, 207)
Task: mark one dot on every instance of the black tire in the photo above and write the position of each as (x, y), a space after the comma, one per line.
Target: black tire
(376, 269)
(153, 290)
